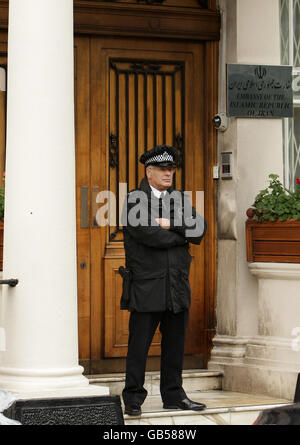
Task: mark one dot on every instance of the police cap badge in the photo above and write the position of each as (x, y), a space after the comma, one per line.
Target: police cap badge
(162, 156)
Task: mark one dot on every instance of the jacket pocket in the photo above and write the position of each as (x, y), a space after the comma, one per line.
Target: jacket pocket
(180, 290)
(148, 294)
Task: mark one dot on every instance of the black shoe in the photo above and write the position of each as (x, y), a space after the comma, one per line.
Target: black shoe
(185, 404)
(133, 410)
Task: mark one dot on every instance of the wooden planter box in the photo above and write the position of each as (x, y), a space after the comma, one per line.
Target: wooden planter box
(273, 242)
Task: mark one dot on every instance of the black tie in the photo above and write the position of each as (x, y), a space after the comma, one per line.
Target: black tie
(161, 204)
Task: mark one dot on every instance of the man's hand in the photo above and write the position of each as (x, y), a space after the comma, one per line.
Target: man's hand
(163, 222)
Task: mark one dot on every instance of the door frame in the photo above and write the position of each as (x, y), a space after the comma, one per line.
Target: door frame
(210, 39)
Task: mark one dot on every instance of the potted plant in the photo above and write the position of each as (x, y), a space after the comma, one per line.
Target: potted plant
(273, 225)
(2, 194)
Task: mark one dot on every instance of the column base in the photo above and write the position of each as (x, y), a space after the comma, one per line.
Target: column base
(33, 380)
(228, 349)
(279, 383)
(257, 365)
(62, 393)
(269, 362)
(262, 366)
(273, 353)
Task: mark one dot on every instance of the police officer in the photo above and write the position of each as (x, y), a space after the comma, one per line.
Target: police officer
(158, 227)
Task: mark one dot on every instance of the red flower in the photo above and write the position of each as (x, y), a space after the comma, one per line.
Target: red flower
(298, 181)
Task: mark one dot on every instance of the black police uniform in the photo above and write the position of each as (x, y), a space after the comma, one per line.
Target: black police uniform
(156, 287)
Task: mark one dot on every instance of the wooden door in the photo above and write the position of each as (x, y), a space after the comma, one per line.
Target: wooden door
(131, 94)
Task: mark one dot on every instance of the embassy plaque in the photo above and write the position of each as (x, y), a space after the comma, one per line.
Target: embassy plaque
(259, 91)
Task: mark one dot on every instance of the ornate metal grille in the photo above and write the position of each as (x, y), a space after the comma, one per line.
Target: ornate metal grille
(296, 40)
(284, 31)
(290, 55)
(147, 108)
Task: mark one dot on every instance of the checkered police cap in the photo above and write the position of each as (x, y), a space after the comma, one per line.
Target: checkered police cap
(162, 155)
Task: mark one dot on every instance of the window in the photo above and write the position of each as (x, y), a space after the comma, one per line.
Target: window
(290, 55)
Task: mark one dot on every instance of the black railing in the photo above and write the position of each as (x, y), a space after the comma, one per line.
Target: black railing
(12, 282)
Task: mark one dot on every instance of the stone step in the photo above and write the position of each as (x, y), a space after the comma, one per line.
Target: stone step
(223, 408)
(193, 380)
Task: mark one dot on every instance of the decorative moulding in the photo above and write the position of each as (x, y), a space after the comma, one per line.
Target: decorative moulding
(141, 20)
(276, 271)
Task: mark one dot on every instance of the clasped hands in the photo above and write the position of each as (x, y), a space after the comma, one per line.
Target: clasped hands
(163, 222)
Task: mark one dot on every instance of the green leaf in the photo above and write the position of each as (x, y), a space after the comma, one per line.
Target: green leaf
(273, 176)
(277, 202)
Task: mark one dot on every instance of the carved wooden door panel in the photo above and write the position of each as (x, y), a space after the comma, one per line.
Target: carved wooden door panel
(131, 95)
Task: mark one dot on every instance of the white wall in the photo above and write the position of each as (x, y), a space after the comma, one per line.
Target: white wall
(250, 35)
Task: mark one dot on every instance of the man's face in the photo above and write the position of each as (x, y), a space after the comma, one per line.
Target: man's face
(160, 177)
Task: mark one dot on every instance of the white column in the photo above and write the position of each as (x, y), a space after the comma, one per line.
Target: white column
(39, 315)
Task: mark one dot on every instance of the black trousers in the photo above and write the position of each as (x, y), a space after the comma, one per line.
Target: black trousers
(142, 326)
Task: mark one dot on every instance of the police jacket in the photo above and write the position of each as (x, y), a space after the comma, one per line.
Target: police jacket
(157, 259)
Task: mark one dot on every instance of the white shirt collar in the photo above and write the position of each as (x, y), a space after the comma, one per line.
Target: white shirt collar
(156, 192)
